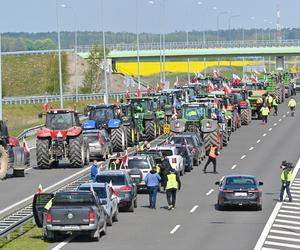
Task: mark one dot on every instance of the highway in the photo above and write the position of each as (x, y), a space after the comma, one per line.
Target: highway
(195, 224)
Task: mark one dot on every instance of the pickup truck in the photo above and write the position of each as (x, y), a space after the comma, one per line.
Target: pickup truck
(69, 212)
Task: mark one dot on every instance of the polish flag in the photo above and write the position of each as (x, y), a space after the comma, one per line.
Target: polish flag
(236, 79)
(46, 106)
(125, 160)
(253, 79)
(176, 83)
(158, 88)
(148, 90)
(92, 189)
(214, 116)
(210, 87)
(227, 90)
(127, 95)
(40, 189)
(216, 74)
(138, 93)
(216, 101)
(114, 192)
(25, 146)
(174, 115)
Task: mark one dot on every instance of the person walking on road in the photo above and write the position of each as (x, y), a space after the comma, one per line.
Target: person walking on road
(295, 87)
(286, 177)
(212, 158)
(172, 185)
(269, 102)
(265, 112)
(152, 180)
(292, 105)
(165, 168)
(275, 105)
(259, 105)
(94, 170)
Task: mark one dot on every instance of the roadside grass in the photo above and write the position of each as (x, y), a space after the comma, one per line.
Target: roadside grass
(29, 239)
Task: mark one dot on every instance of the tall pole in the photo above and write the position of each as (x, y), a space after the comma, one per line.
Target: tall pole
(138, 44)
(229, 21)
(164, 43)
(218, 20)
(76, 71)
(59, 60)
(104, 54)
(1, 115)
(160, 59)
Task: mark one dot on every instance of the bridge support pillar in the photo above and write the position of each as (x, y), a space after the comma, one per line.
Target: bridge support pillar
(279, 62)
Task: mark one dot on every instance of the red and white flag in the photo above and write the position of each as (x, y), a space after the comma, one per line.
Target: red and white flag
(40, 189)
(138, 93)
(236, 79)
(210, 87)
(25, 146)
(158, 88)
(227, 89)
(46, 106)
(253, 78)
(125, 160)
(114, 192)
(92, 189)
(216, 74)
(148, 90)
(127, 94)
(174, 115)
(216, 101)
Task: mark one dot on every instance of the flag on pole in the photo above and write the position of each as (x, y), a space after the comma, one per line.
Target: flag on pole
(114, 192)
(236, 79)
(46, 106)
(40, 189)
(227, 89)
(216, 74)
(210, 87)
(148, 90)
(174, 115)
(176, 83)
(138, 93)
(158, 88)
(25, 146)
(127, 94)
(125, 160)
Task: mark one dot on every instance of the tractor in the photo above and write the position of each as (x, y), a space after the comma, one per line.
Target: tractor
(171, 99)
(61, 138)
(108, 116)
(12, 155)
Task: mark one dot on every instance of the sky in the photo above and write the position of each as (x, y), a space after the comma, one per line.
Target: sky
(121, 15)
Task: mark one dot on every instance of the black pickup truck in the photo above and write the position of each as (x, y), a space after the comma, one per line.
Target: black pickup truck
(69, 212)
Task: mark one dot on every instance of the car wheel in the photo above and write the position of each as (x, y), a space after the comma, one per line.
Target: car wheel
(110, 220)
(135, 202)
(115, 217)
(220, 207)
(95, 235)
(50, 236)
(259, 207)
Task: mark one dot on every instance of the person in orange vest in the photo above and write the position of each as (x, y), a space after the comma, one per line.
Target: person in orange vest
(259, 104)
(212, 158)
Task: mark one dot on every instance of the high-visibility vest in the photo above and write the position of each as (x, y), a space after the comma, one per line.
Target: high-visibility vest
(294, 85)
(270, 99)
(265, 111)
(286, 175)
(212, 152)
(172, 182)
(292, 103)
(275, 102)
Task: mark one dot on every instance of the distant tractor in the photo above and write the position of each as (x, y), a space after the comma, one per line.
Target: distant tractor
(11, 154)
(61, 138)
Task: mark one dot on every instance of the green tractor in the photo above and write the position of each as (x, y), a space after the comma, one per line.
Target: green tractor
(126, 117)
(275, 87)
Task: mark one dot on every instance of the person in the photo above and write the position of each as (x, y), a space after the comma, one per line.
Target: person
(212, 157)
(275, 105)
(259, 104)
(165, 168)
(269, 102)
(102, 167)
(115, 165)
(265, 112)
(292, 104)
(152, 180)
(286, 177)
(94, 170)
(294, 87)
(171, 186)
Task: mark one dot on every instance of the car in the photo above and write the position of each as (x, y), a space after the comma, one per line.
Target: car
(106, 197)
(156, 155)
(187, 156)
(195, 143)
(239, 190)
(123, 185)
(171, 152)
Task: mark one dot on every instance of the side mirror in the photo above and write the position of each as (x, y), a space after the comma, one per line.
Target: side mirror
(40, 115)
(217, 183)
(260, 183)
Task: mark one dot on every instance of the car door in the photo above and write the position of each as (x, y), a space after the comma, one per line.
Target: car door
(38, 207)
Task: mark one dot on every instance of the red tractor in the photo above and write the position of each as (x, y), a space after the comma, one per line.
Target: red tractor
(61, 138)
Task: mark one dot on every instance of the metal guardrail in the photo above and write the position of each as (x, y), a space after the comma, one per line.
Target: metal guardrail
(16, 216)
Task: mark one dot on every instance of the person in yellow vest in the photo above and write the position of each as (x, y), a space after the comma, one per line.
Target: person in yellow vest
(259, 104)
(286, 178)
(173, 184)
(269, 102)
(212, 157)
(292, 105)
(265, 112)
(295, 87)
(275, 105)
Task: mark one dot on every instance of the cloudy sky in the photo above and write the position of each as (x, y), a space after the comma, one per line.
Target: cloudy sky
(120, 15)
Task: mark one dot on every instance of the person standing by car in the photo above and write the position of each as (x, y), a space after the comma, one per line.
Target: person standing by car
(212, 158)
(165, 168)
(173, 184)
(286, 177)
(94, 170)
(152, 180)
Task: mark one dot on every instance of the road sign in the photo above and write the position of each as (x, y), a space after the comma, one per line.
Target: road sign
(167, 128)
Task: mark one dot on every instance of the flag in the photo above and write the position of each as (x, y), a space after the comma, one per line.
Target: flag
(227, 90)
(176, 83)
(46, 106)
(200, 76)
(92, 189)
(25, 146)
(236, 79)
(40, 189)
(158, 88)
(253, 78)
(118, 102)
(125, 160)
(174, 115)
(210, 87)
(148, 90)
(127, 94)
(216, 74)
(111, 187)
(100, 138)
(216, 101)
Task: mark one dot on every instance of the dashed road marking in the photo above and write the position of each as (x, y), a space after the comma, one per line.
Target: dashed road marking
(288, 112)
(270, 129)
(209, 192)
(194, 209)
(62, 244)
(175, 229)
(250, 149)
(258, 141)
(275, 124)
(280, 120)
(264, 134)
(234, 166)
(243, 157)
(284, 116)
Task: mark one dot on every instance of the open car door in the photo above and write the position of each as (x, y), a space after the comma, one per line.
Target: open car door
(38, 207)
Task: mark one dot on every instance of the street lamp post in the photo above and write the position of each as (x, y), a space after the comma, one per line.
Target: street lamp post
(138, 44)
(218, 19)
(229, 21)
(253, 19)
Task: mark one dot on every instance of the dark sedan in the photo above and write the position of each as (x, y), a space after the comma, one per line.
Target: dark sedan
(239, 190)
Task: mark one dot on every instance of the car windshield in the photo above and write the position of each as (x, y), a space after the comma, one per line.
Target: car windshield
(73, 198)
(240, 181)
(166, 152)
(138, 163)
(181, 140)
(117, 180)
(100, 191)
(60, 121)
(140, 105)
(193, 113)
(103, 114)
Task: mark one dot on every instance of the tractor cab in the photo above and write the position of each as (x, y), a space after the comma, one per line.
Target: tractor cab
(194, 111)
(62, 119)
(101, 114)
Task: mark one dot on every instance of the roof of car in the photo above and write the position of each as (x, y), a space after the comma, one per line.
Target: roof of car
(112, 172)
(99, 106)
(94, 184)
(138, 156)
(239, 175)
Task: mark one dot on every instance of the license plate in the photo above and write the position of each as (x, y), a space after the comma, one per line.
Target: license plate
(135, 176)
(166, 128)
(71, 227)
(136, 179)
(240, 194)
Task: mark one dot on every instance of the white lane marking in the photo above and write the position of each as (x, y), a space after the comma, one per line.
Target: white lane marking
(175, 229)
(296, 188)
(209, 192)
(280, 120)
(287, 216)
(275, 124)
(264, 135)
(268, 248)
(283, 232)
(283, 238)
(194, 209)
(288, 112)
(272, 217)
(270, 129)
(234, 166)
(281, 244)
(258, 141)
(288, 221)
(289, 212)
(62, 244)
(297, 192)
(243, 157)
(284, 116)
(27, 169)
(290, 207)
(250, 149)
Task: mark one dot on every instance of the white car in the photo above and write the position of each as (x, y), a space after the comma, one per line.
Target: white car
(172, 154)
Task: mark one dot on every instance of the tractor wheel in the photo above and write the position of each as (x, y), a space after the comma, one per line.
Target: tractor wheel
(118, 139)
(19, 162)
(42, 153)
(161, 126)
(3, 162)
(233, 124)
(130, 135)
(76, 152)
(245, 115)
(225, 137)
(150, 129)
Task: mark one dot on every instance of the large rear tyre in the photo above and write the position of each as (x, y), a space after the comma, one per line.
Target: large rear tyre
(245, 116)
(150, 130)
(118, 139)
(225, 137)
(3, 162)
(130, 135)
(77, 152)
(42, 153)
(210, 139)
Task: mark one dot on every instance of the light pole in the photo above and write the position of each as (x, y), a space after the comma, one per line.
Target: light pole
(59, 59)
(104, 54)
(270, 30)
(218, 19)
(138, 44)
(253, 19)
(229, 21)
(262, 30)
